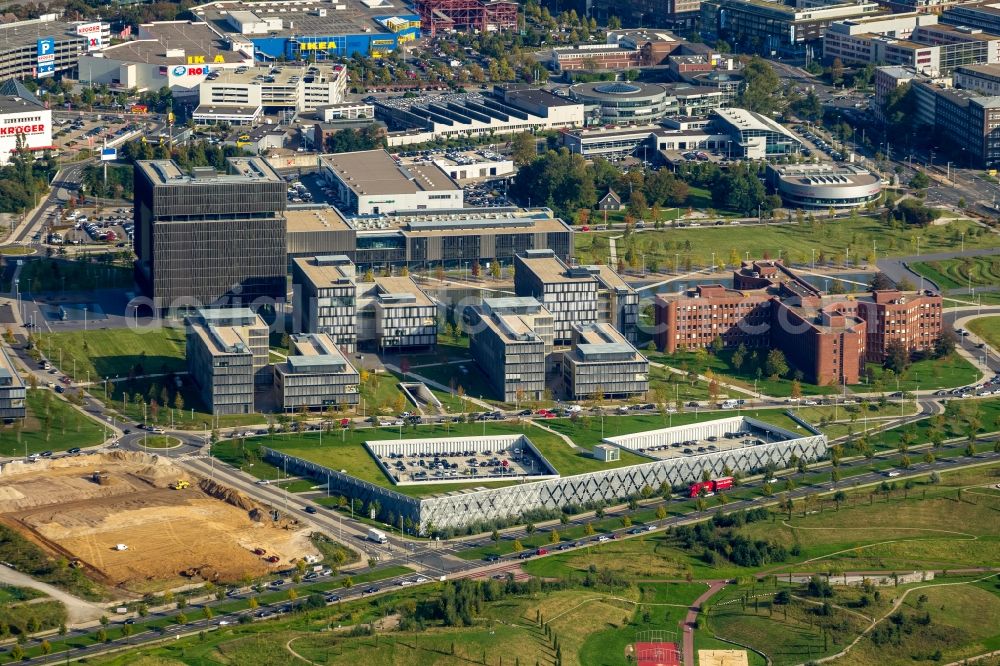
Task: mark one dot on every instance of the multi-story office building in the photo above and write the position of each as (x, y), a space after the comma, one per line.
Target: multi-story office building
(204, 237)
(982, 15)
(316, 375)
(577, 294)
(694, 318)
(912, 40)
(617, 301)
(227, 358)
(511, 339)
(12, 391)
(776, 27)
(327, 297)
(984, 79)
(568, 293)
(371, 182)
(829, 338)
(393, 313)
(601, 362)
(456, 238)
(967, 121)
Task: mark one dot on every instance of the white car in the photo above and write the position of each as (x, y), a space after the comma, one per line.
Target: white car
(421, 579)
(810, 402)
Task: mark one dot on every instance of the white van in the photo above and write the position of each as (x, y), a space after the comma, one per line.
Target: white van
(730, 404)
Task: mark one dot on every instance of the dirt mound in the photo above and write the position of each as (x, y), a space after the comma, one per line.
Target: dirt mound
(171, 535)
(256, 511)
(228, 495)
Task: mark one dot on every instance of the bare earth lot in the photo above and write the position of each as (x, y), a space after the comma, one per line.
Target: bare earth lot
(204, 532)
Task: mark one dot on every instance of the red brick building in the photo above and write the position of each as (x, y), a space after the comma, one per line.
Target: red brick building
(829, 338)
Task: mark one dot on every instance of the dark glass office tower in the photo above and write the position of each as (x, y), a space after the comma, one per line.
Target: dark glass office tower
(206, 238)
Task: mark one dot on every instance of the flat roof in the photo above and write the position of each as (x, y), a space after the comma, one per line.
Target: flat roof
(549, 268)
(194, 39)
(824, 174)
(611, 279)
(323, 273)
(401, 286)
(511, 328)
(281, 74)
(242, 169)
(308, 218)
(227, 110)
(316, 352)
(375, 172)
(301, 17)
(601, 343)
(27, 33)
(223, 340)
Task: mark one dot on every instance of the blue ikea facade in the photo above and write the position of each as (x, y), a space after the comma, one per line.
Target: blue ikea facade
(402, 29)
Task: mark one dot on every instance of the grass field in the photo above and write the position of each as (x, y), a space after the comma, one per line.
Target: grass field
(962, 621)
(933, 373)
(116, 352)
(52, 424)
(901, 531)
(722, 366)
(66, 275)
(961, 272)
(343, 450)
(987, 328)
(793, 242)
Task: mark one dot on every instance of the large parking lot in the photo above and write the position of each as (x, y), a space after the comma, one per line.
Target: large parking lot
(74, 133)
(711, 444)
(87, 227)
(458, 460)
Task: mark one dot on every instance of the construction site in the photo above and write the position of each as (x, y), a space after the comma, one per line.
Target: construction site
(140, 523)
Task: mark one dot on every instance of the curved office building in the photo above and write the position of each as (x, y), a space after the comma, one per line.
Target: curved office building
(824, 186)
(621, 102)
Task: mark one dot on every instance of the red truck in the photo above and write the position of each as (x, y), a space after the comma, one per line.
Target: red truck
(711, 487)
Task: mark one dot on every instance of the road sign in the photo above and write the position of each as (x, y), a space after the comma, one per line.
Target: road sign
(109, 154)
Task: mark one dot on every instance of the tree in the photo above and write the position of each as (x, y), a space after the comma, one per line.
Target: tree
(661, 513)
(920, 181)
(517, 547)
(523, 149)
(897, 356)
(944, 344)
(553, 536)
(836, 71)
(839, 497)
(880, 282)
(761, 87)
(588, 529)
(776, 365)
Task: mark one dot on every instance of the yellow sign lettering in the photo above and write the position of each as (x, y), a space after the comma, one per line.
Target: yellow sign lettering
(220, 58)
(196, 60)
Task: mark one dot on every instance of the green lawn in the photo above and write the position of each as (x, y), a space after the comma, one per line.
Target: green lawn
(12, 595)
(933, 373)
(127, 397)
(987, 328)
(52, 424)
(72, 275)
(115, 352)
(343, 450)
(722, 365)
(794, 242)
(961, 272)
